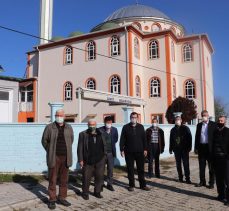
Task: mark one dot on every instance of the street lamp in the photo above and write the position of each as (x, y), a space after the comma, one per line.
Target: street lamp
(1, 69)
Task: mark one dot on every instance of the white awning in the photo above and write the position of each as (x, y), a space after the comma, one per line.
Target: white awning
(113, 99)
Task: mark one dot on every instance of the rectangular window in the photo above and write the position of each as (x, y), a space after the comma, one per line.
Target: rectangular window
(4, 95)
(159, 118)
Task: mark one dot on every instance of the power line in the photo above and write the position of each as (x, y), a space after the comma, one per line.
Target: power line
(103, 55)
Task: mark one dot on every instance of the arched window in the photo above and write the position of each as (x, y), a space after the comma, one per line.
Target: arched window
(115, 46)
(115, 86)
(136, 47)
(68, 91)
(68, 52)
(138, 25)
(91, 50)
(156, 27)
(155, 87)
(190, 90)
(153, 49)
(91, 84)
(138, 86)
(174, 89)
(187, 53)
(173, 51)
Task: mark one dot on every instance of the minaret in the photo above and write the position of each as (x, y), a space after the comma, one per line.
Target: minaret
(46, 15)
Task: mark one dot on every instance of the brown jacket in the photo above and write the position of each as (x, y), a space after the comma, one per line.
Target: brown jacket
(49, 140)
(161, 139)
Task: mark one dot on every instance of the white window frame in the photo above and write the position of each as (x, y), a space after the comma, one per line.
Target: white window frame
(115, 85)
(115, 46)
(138, 86)
(190, 89)
(153, 49)
(68, 55)
(91, 51)
(187, 53)
(155, 87)
(136, 47)
(68, 91)
(91, 84)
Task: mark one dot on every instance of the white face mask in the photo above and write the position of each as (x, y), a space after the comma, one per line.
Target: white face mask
(154, 124)
(205, 118)
(133, 121)
(59, 119)
(178, 123)
(108, 126)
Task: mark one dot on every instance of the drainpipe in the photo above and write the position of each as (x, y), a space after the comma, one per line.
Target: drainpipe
(201, 72)
(127, 75)
(38, 73)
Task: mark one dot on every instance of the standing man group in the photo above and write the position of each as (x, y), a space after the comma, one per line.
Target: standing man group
(96, 148)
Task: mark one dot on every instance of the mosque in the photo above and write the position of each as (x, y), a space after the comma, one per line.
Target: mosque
(138, 59)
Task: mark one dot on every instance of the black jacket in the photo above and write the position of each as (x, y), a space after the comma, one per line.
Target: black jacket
(82, 149)
(222, 136)
(185, 139)
(161, 138)
(211, 128)
(133, 139)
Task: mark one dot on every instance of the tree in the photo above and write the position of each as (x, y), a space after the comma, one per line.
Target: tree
(221, 108)
(184, 105)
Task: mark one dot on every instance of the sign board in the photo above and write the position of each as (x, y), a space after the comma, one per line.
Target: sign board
(111, 98)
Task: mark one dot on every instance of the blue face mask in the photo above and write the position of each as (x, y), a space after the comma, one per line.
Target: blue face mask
(59, 119)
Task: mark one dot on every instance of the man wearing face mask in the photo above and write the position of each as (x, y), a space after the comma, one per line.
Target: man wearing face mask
(220, 153)
(156, 145)
(133, 146)
(57, 140)
(111, 137)
(203, 147)
(181, 145)
(91, 153)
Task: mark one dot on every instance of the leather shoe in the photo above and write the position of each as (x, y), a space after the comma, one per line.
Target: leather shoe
(52, 205)
(210, 186)
(130, 189)
(145, 188)
(201, 184)
(64, 202)
(110, 187)
(220, 198)
(85, 196)
(98, 195)
(188, 181)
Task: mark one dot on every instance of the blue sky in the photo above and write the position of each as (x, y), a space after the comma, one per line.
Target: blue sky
(197, 16)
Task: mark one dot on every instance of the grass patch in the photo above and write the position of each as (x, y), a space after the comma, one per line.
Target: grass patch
(17, 178)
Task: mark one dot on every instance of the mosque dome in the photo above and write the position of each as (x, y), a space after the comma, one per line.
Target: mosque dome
(134, 11)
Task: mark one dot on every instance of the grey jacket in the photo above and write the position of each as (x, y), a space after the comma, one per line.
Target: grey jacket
(82, 149)
(49, 140)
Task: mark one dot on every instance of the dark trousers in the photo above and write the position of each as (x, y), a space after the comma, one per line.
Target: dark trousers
(153, 155)
(130, 157)
(110, 167)
(204, 157)
(98, 171)
(182, 157)
(221, 167)
(59, 171)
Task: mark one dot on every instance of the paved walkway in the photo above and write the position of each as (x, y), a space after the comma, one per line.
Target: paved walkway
(166, 194)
